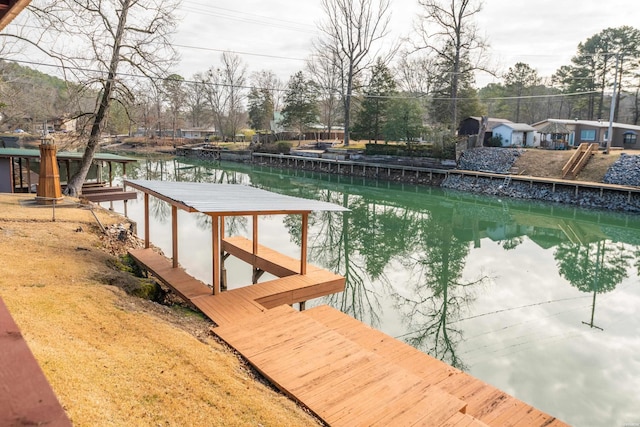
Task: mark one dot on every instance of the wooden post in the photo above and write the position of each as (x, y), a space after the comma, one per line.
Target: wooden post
(215, 253)
(28, 175)
(223, 270)
(303, 244)
(174, 234)
(146, 220)
(110, 175)
(255, 234)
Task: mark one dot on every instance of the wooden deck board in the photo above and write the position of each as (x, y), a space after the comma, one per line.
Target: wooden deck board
(185, 285)
(26, 398)
(327, 388)
(486, 404)
(239, 303)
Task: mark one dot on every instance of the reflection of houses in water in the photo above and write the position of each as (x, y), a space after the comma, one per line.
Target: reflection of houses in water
(546, 230)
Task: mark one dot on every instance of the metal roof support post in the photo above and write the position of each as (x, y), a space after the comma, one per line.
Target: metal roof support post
(215, 253)
(303, 238)
(255, 235)
(146, 220)
(174, 234)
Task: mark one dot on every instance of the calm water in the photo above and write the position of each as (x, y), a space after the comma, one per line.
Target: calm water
(536, 299)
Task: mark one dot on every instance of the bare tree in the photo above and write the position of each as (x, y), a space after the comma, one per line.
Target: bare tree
(267, 80)
(225, 93)
(195, 99)
(350, 32)
(175, 94)
(325, 72)
(111, 40)
(448, 30)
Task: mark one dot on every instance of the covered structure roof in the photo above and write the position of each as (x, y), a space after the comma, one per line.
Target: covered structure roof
(9, 9)
(27, 153)
(554, 127)
(228, 199)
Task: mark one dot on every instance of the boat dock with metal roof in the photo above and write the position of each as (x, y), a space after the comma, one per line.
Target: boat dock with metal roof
(342, 370)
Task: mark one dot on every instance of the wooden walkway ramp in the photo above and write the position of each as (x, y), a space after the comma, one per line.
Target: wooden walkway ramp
(350, 374)
(26, 398)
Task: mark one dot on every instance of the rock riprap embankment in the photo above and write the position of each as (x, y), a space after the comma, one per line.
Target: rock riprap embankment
(487, 159)
(626, 171)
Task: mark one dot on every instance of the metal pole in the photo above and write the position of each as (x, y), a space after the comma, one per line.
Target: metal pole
(613, 107)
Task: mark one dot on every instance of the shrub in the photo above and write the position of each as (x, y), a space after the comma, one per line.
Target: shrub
(495, 141)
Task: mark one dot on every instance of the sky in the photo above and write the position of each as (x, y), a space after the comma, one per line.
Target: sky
(277, 35)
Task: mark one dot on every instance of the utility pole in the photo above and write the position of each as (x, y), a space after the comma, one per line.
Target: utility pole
(612, 110)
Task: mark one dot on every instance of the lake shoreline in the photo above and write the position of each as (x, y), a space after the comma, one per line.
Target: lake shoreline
(498, 161)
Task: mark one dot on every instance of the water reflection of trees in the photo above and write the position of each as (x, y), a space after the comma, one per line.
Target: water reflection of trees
(332, 244)
(598, 267)
(438, 294)
(429, 237)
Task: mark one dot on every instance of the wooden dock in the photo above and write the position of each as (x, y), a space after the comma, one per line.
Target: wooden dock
(344, 371)
(26, 398)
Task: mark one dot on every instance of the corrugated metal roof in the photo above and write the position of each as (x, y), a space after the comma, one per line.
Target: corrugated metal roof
(230, 199)
(26, 152)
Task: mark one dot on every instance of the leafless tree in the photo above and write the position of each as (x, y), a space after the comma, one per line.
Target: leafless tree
(103, 44)
(266, 79)
(195, 99)
(225, 93)
(325, 72)
(351, 30)
(448, 30)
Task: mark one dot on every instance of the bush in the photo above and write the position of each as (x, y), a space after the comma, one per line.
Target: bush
(495, 141)
(407, 150)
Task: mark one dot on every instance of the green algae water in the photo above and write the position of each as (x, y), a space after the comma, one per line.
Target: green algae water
(539, 300)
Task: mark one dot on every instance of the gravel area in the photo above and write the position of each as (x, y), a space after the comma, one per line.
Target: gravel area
(626, 171)
(488, 159)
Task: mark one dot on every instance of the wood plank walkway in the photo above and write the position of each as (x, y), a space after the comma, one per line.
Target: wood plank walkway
(344, 371)
(26, 398)
(350, 374)
(340, 381)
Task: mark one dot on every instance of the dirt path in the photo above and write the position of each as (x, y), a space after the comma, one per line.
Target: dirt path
(113, 359)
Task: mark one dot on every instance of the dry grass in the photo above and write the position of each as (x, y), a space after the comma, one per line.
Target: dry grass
(549, 164)
(113, 359)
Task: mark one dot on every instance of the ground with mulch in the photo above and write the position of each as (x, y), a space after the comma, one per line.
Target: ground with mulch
(113, 358)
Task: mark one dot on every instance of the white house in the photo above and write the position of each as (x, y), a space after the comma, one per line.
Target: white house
(196, 133)
(516, 135)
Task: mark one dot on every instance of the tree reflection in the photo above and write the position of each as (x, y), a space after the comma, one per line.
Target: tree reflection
(438, 294)
(594, 267)
(332, 239)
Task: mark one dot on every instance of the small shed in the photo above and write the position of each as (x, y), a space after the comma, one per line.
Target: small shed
(516, 134)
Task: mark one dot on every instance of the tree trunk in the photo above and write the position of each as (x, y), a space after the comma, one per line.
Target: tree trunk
(74, 185)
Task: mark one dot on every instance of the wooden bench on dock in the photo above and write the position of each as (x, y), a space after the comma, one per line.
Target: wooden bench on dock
(107, 194)
(26, 398)
(265, 259)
